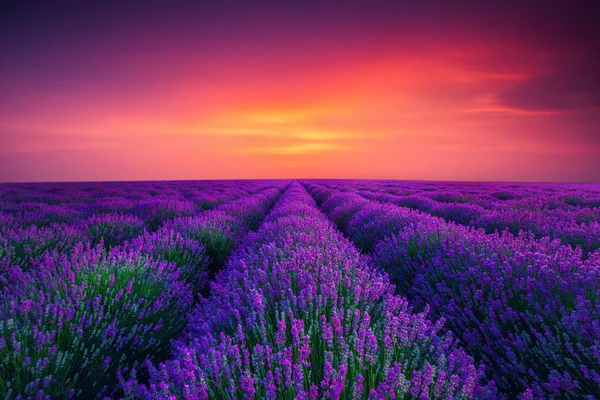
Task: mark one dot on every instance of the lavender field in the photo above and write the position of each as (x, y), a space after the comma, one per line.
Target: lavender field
(314, 289)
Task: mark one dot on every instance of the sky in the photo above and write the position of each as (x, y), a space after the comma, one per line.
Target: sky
(424, 90)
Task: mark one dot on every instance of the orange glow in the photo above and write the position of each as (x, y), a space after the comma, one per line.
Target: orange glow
(413, 109)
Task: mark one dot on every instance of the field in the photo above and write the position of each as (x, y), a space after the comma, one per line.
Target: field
(314, 289)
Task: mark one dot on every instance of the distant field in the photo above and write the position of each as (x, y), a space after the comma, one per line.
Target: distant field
(307, 289)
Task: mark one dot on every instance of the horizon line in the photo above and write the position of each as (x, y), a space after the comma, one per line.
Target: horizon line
(297, 179)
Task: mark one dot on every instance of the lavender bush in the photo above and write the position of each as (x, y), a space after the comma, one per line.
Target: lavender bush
(22, 246)
(187, 254)
(216, 230)
(112, 229)
(527, 308)
(69, 324)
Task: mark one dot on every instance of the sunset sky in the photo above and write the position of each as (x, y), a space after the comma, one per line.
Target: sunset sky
(425, 90)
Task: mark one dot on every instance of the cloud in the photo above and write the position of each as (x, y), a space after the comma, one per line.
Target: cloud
(299, 148)
(569, 88)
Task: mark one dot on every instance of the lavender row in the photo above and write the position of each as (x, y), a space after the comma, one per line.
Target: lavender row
(21, 243)
(152, 203)
(299, 313)
(578, 228)
(528, 309)
(567, 212)
(548, 196)
(199, 245)
(104, 193)
(75, 318)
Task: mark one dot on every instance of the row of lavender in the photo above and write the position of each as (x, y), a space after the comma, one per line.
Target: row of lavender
(299, 313)
(35, 219)
(22, 205)
(569, 212)
(528, 309)
(78, 305)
